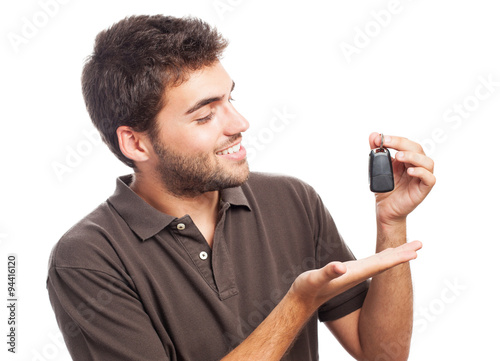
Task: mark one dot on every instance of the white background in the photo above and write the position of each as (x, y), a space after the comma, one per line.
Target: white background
(405, 77)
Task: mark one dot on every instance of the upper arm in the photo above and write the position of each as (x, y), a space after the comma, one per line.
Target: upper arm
(101, 318)
(345, 329)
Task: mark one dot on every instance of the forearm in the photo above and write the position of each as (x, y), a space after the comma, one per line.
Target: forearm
(274, 336)
(386, 317)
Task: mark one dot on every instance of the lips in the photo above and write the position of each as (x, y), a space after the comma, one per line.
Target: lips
(233, 149)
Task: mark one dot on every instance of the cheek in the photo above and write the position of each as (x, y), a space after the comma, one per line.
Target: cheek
(198, 139)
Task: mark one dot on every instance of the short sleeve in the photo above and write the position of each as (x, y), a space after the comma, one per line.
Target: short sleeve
(101, 318)
(330, 246)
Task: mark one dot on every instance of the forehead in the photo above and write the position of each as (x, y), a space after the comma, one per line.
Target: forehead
(210, 81)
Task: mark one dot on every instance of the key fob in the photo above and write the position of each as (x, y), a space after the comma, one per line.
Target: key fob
(381, 176)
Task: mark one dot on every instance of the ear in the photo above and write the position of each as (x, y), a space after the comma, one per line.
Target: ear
(134, 145)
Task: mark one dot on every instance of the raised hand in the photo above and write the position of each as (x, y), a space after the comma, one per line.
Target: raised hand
(413, 178)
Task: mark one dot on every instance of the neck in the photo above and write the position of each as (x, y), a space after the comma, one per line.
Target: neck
(203, 206)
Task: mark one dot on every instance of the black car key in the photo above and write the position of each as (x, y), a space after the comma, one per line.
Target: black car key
(380, 172)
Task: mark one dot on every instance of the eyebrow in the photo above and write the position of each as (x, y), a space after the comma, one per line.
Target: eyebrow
(201, 103)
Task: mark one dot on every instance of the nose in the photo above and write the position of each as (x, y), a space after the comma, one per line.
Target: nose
(234, 122)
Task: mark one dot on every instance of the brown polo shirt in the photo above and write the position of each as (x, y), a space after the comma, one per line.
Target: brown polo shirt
(129, 282)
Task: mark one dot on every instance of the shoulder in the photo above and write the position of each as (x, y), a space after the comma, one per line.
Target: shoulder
(279, 185)
(283, 191)
(87, 244)
(261, 180)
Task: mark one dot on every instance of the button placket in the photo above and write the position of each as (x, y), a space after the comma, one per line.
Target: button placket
(222, 263)
(196, 247)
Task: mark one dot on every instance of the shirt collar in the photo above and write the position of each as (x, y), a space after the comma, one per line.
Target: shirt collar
(235, 196)
(144, 219)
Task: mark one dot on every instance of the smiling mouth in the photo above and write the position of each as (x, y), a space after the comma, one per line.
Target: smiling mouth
(234, 149)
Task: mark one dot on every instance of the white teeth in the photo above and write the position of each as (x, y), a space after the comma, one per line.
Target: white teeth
(231, 150)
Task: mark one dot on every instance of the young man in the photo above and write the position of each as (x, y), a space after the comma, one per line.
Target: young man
(195, 258)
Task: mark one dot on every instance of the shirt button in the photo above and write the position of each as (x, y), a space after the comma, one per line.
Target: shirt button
(181, 226)
(203, 255)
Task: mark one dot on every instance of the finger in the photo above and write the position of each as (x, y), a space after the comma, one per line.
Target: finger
(390, 257)
(426, 177)
(400, 143)
(337, 269)
(416, 159)
(413, 245)
(407, 251)
(374, 140)
(394, 142)
(329, 272)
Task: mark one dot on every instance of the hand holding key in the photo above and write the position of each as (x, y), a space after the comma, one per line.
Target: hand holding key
(413, 178)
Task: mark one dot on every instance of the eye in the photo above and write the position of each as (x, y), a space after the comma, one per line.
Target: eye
(205, 119)
(230, 99)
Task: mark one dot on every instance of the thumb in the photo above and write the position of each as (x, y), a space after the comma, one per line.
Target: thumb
(333, 270)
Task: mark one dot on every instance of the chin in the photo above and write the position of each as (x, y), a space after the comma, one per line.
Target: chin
(240, 176)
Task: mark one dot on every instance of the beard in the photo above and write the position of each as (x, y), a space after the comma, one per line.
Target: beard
(190, 176)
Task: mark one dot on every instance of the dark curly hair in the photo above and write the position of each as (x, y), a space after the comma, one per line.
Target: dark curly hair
(134, 62)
